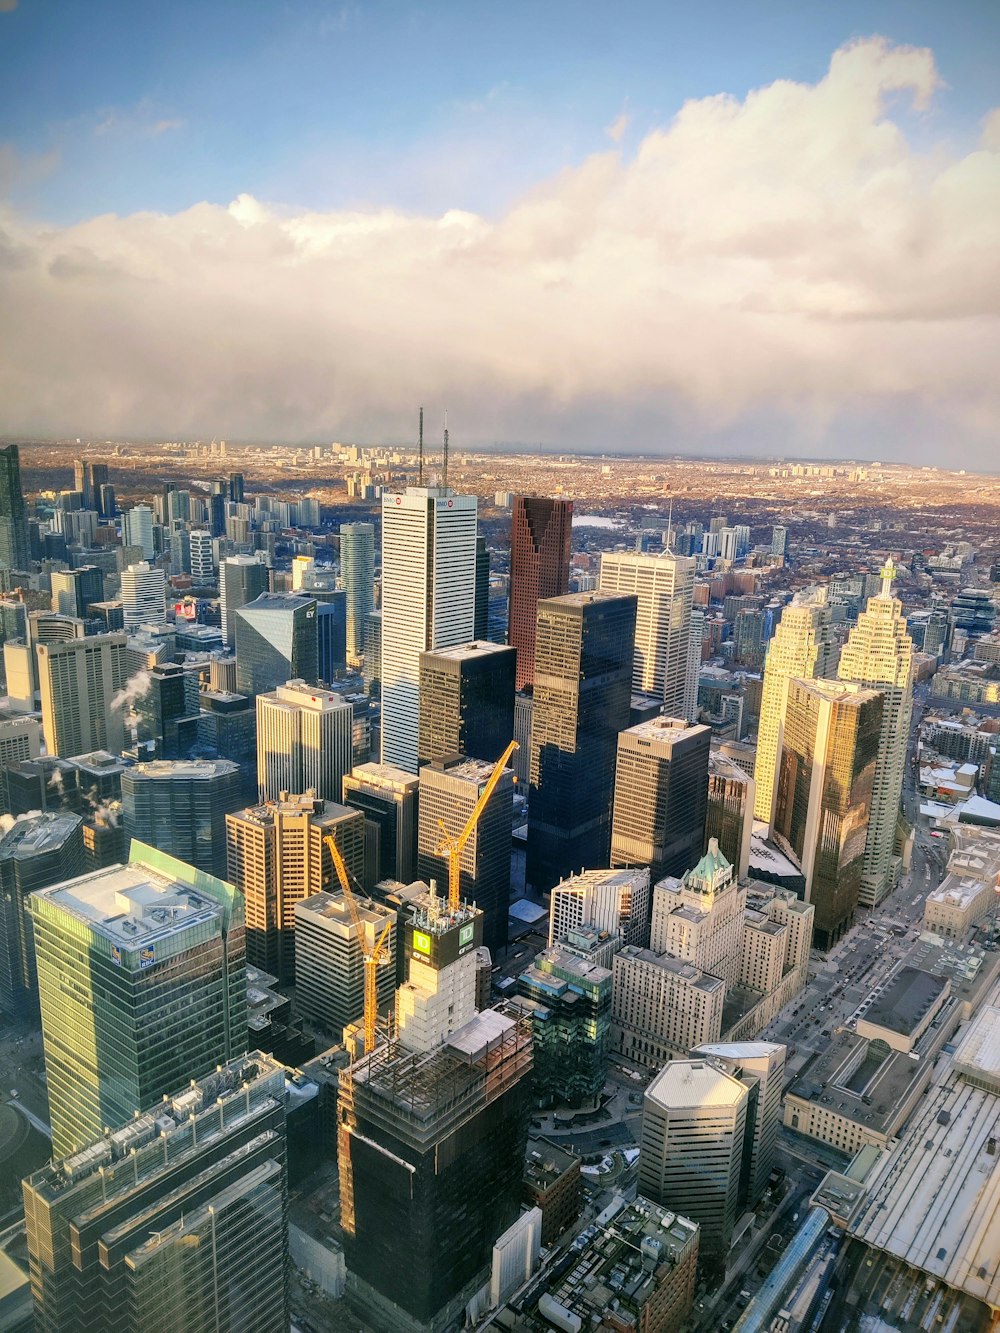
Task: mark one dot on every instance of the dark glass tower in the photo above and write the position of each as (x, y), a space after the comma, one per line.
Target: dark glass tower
(583, 683)
(277, 640)
(180, 806)
(539, 568)
(481, 626)
(13, 514)
(466, 701)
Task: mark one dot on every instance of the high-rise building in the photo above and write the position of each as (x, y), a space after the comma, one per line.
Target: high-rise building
(613, 901)
(541, 531)
(88, 478)
(779, 540)
(180, 805)
(660, 796)
(440, 949)
(664, 587)
(879, 654)
(466, 701)
(126, 957)
(177, 1221)
(242, 579)
(828, 742)
(331, 942)
(357, 572)
(387, 797)
(277, 856)
(277, 639)
(81, 682)
(144, 596)
(449, 790)
(168, 712)
(137, 529)
(371, 672)
(14, 550)
(431, 1148)
(20, 739)
(303, 741)
(691, 1146)
(760, 1066)
(481, 621)
(202, 556)
(73, 590)
(428, 601)
(729, 817)
(803, 648)
(583, 667)
(569, 1001)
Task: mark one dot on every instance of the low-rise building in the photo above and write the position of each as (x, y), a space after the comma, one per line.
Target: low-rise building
(968, 892)
(552, 1184)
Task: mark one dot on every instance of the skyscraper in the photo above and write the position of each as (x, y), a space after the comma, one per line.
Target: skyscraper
(180, 807)
(14, 551)
(330, 948)
(144, 596)
(137, 529)
(760, 1066)
(481, 621)
(277, 856)
(387, 797)
(729, 817)
(357, 573)
(879, 654)
(178, 1221)
(125, 957)
(583, 668)
(303, 741)
(802, 648)
(202, 556)
(615, 902)
(242, 579)
(79, 682)
(466, 701)
(449, 789)
(664, 587)
(276, 640)
(828, 746)
(660, 796)
(428, 600)
(541, 532)
(73, 590)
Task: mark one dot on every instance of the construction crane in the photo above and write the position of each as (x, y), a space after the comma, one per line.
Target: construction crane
(373, 958)
(452, 847)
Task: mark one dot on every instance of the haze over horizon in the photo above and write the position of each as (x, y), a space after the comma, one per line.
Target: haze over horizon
(676, 233)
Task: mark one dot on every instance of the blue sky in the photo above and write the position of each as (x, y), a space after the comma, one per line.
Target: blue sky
(117, 106)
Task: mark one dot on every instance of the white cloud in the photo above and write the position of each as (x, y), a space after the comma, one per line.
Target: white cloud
(616, 130)
(784, 272)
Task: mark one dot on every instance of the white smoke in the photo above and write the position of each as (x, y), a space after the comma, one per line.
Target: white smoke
(7, 822)
(134, 689)
(56, 781)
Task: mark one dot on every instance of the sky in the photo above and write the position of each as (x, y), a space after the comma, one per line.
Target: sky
(717, 227)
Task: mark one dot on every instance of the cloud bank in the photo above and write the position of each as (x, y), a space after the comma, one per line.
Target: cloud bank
(783, 273)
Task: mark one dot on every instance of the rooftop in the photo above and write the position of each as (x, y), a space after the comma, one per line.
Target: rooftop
(666, 729)
(693, 1084)
(463, 652)
(33, 835)
(906, 1001)
(181, 770)
(545, 1162)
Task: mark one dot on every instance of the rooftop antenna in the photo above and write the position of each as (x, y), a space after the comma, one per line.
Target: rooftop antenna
(670, 521)
(444, 461)
(420, 473)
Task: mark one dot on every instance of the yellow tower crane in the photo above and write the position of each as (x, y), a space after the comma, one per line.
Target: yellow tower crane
(374, 957)
(452, 847)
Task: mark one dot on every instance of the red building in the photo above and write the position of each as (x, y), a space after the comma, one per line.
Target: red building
(539, 568)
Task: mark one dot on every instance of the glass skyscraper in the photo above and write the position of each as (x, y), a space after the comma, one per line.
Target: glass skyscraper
(277, 639)
(539, 568)
(13, 514)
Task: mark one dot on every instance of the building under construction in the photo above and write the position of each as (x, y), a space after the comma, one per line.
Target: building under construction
(431, 1148)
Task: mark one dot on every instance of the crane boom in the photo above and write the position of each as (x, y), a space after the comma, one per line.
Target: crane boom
(453, 846)
(371, 957)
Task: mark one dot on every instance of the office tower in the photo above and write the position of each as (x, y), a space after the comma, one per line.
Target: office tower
(144, 596)
(14, 552)
(137, 529)
(73, 590)
(357, 572)
(237, 488)
(81, 681)
(428, 600)
(126, 957)
(387, 797)
(202, 556)
(779, 541)
(523, 705)
(88, 478)
(276, 640)
(242, 579)
(760, 1067)
(828, 747)
(331, 632)
(803, 648)
(37, 851)
(277, 856)
(570, 1007)
(440, 950)
(107, 502)
(481, 622)
(879, 655)
(20, 739)
(168, 712)
(691, 1146)
(583, 665)
(449, 790)
(664, 586)
(660, 796)
(178, 1221)
(540, 536)
(180, 807)
(729, 817)
(330, 949)
(466, 701)
(431, 1149)
(371, 672)
(616, 901)
(303, 741)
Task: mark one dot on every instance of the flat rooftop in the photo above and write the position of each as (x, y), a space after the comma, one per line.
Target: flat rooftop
(905, 1002)
(37, 834)
(675, 966)
(465, 652)
(180, 770)
(545, 1162)
(692, 1084)
(667, 730)
(385, 775)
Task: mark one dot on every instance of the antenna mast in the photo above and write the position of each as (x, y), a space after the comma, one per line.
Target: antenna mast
(670, 522)
(420, 473)
(444, 461)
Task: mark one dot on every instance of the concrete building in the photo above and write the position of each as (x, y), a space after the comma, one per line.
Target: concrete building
(760, 1066)
(552, 1184)
(661, 796)
(466, 701)
(144, 596)
(75, 590)
(699, 918)
(439, 994)
(304, 741)
(202, 557)
(661, 1006)
(664, 587)
(387, 797)
(967, 894)
(329, 960)
(541, 530)
(177, 1221)
(82, 704)
(125, 957)
(879, 655)
(729, 814)
(428, 601)
(137, 529)
(613, 901)
(357, 571)
(691, 1146)
(180, 807)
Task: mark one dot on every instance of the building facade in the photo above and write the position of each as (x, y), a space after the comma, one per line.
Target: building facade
(277, 640)
(81, 682)
(466, 701)
(304, 741)
(357, 572)
(180, 807)
(541, 530)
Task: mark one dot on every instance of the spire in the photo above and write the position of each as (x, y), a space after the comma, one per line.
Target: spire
(888, 572)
